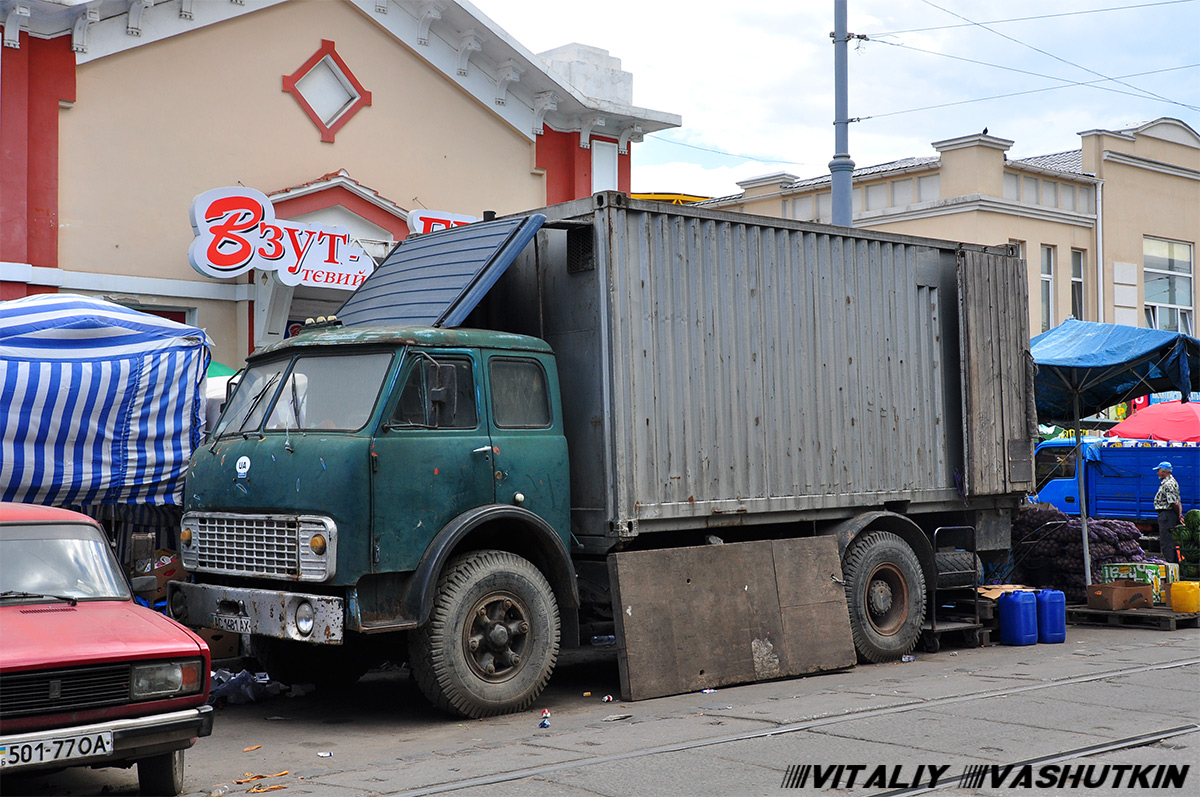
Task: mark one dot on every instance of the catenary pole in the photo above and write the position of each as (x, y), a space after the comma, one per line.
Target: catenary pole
(841, 167)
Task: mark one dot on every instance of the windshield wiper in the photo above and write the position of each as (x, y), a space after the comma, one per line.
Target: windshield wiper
(255, 401)
(13, 593)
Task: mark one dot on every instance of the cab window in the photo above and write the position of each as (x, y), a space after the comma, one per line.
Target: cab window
(1054, 462)
(520, 393)
(422, 404)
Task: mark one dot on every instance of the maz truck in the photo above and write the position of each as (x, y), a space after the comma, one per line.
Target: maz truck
(442, 473)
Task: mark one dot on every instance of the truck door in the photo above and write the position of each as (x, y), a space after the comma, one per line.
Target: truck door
(527, 437)
(432, 458)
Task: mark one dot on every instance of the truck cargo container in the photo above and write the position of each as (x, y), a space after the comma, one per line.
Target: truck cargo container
(503, 408)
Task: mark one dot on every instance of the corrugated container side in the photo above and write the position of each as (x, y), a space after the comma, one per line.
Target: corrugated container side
(760, 370)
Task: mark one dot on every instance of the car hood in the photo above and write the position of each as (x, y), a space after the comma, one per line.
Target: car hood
(51, 635)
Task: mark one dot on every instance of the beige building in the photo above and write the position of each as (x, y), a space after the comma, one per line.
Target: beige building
(1109, 230)
(335, 127)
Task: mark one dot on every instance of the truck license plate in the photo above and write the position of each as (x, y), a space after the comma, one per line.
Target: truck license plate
(56, 748)
(233, 623)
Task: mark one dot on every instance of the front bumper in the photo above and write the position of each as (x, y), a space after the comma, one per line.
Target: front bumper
(132, 739)
(265, 612)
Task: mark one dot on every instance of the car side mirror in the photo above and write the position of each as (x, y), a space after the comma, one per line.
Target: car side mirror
(442, 379)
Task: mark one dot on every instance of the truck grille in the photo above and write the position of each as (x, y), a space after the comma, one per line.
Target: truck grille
(270, 546)
(246, 545)
(54, 691)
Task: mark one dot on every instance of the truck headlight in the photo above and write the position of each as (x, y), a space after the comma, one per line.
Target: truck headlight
(165, 679)
(318, 544)
(304, 618)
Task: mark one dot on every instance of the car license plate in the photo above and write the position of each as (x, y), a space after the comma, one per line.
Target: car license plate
(56, 748)
(233, 623)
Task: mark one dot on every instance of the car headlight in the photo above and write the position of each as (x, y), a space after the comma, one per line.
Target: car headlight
(165, 679)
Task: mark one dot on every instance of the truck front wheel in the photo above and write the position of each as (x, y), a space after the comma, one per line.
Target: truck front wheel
(885, 592)
(492, 637)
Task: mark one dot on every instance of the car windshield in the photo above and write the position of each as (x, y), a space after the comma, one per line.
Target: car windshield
(40, 563)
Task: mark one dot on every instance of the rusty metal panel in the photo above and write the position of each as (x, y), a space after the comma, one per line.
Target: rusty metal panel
(994, 348)
(709, 616)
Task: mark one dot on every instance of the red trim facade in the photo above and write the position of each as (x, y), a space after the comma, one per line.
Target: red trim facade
(335, 196)
(36, 78)
(568, 166)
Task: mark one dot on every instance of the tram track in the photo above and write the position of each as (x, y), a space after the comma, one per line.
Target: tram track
(844, 717)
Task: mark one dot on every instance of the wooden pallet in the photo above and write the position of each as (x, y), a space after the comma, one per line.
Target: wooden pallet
(1161, 619)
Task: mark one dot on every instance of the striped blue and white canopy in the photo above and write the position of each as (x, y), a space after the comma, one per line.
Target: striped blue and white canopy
(99, 404)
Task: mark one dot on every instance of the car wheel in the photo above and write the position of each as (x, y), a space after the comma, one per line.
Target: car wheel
(492, 637)
(161, 774)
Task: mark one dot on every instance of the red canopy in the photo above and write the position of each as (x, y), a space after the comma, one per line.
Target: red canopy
(1168, 420)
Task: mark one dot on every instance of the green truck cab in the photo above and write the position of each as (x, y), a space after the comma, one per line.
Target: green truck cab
(359, 464)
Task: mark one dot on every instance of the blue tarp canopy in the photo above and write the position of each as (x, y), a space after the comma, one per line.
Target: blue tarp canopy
(99, 404)
(1105, 364)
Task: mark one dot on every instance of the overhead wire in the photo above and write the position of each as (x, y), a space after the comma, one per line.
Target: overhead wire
(1066, 81)
(1055, 57)
(1016, 94)
(1030, 19)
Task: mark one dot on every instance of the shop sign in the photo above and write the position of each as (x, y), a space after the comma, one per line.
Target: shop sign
(236, 230)
(422, 221)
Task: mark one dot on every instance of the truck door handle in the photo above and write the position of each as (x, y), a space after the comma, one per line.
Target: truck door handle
(482, 450)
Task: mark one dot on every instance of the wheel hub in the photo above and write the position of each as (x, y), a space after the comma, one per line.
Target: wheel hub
(496, 636)
(879, 597)
(887, 599)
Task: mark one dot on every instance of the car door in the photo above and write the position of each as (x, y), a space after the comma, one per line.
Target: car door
(432, 458)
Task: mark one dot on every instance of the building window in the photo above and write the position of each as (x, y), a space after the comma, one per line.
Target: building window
(1068, 197)
(902, 192)
(877, 196)
(802, 208)
(1029, 190)
(1050, 193)
(1012, 186)
(1077, 263)
(1047, 287)
(1085, 199)
(929, 188)
(1167, 277)
(824, 208)
(604, 166)
(1020, 247)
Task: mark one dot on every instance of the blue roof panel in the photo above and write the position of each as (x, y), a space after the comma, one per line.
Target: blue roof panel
(437, 279)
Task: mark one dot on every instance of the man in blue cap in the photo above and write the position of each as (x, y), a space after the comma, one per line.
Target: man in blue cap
(1170, 511)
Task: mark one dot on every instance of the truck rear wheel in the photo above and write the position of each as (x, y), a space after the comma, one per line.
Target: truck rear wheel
(492, 637)
(885, 593)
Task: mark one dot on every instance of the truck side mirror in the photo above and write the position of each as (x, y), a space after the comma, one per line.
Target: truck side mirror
(442, 379)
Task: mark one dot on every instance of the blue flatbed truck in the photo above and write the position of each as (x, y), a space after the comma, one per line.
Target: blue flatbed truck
(1120, 477)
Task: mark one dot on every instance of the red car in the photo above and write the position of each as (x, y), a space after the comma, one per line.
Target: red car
(87, 676)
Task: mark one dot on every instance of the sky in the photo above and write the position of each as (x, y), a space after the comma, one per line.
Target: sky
(753, 80)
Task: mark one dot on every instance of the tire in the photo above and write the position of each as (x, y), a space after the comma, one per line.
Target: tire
(161, 774)
(329, 667)
(885, 593)
(502, 605)
(958, 569)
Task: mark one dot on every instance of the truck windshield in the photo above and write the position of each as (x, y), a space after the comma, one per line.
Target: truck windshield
(316, 392)
(245, 409)
(43, 564)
